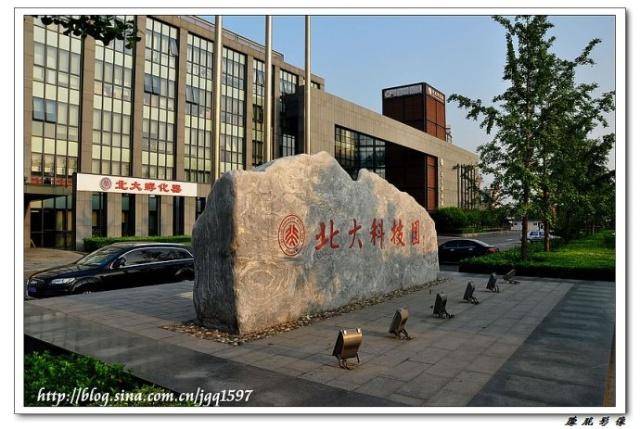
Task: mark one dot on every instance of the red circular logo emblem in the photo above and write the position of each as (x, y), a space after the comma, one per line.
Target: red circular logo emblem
(291, 235)
(105, 183)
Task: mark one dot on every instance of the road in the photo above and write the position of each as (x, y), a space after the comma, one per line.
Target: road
(502, 240)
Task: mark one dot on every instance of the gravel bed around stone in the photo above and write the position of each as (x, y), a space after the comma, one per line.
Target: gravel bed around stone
(193, 328)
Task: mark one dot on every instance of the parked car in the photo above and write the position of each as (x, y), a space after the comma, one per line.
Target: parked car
(455, 250)
(116, 266)
(538, 235)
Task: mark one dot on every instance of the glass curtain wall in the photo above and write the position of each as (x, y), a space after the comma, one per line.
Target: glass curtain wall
(199, 99)
(159, 111)
(354, 150)
(232, 111)
(51, 222)
(288, 126)
(258, 112)
(112, 99)
(128, 215)
(99, 214)
(57, 73)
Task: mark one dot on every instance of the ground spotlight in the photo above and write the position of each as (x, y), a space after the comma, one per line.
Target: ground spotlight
(440, 307)
(398, 323)
(492, 284)
(509, 277)
(468, 294)
(347, 346)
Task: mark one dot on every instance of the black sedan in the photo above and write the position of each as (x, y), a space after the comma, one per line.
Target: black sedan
(116, 266)
(455, 250)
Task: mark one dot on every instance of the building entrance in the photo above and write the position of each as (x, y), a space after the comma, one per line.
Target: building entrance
(51, 221)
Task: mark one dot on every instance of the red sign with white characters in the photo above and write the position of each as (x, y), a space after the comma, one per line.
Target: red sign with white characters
(134, 185)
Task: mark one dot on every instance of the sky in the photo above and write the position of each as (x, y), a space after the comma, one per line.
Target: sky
(359, 55)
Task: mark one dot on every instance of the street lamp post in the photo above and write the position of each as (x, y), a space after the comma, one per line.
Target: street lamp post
(217, 82)
(307, 85)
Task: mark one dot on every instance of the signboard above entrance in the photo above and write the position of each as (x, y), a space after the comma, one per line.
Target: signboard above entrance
(133, 185)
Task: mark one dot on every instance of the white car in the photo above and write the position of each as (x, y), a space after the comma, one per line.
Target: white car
(538, 236)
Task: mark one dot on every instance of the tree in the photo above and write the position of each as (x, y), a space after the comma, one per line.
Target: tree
(570, 163)
(510, 157)
(104, 28)
(541, 156)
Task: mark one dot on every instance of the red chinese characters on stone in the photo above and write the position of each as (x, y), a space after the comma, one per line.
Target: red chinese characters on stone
(353, 232)
(176, 188)
(149, 186)
(415, 232)
(377, 232)
(322, 236)
(397, 233)
(121, 185)
(136, 185)
(163, 187)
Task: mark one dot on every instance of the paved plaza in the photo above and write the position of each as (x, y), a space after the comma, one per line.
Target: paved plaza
(509, 350)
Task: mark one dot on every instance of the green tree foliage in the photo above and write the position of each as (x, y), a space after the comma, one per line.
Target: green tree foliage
(104, 28)
(540, 127)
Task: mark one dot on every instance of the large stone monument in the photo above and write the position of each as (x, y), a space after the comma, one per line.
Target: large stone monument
(297, 236)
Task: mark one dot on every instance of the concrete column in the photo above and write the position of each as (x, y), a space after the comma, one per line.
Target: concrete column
(138, 104)
(142, 215)
(86, 108)
(114, 215)
(268, 92)
(248, 122)
(189, 214)
(180, 110)
(82, 209)
(217, 85)
(166, 215)
(27, 84)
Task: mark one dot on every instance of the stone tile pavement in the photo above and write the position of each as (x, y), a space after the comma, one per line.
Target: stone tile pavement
(565, 361)
(446, 364)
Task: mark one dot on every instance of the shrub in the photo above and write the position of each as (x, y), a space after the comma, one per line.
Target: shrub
(63, 373)
(94, 243)
(590, 258)
(450, 219)
(454, 219)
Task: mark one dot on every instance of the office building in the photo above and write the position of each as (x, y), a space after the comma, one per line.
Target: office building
(119, 142)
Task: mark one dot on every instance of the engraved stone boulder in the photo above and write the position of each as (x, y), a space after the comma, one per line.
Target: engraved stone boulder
(297, 236)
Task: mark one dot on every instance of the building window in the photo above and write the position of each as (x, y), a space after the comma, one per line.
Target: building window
(198, 123)
(112, 104)
(99, 214)
(154, 215)
(467, 186)
(128, 215)
(178, 215)
(56, 105)
(288, 124)
(232, 111)
(315, 85)
(258, 108)
(354, 150)
(288, 147)
(159, 111)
